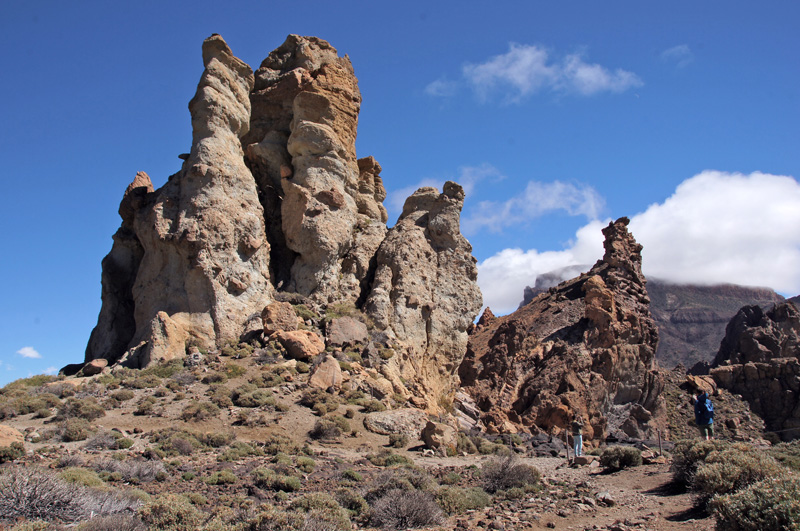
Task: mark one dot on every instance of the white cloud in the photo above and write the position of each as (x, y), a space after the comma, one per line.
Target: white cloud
(28, 352)
(51, 371)
(716, 228)
(503, 277)
(441, 88)
(681, 55)
(528, 69)
(725, 227)
(536, 200)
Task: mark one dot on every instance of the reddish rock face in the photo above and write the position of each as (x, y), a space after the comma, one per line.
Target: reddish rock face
(586, 348)
(759, 358)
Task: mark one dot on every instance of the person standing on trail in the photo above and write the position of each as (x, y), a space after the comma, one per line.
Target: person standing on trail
(704, 415)
(577, 435)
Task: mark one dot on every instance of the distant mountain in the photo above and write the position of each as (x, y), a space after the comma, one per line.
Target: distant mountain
(691, 319)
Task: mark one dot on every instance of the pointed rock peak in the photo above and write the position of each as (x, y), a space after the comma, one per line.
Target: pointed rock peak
(454, 190)
(142, 180)
(309, 53)
(621, 248)
(215, 47)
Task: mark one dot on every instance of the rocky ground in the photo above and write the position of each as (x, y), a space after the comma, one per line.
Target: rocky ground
(150, 411)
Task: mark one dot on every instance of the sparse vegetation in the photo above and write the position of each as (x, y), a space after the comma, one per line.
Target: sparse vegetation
(769, 505)
(504, 473)
(401, 509)
(616, 458)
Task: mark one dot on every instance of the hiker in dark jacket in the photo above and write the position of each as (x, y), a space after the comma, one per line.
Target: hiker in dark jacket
(704, 415)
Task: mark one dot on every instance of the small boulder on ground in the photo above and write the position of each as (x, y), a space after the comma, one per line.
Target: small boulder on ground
(94, 367)
(300, 344)
(327, 374)
(438, 436)
(278, 316)
(347, 332)
(408, 421)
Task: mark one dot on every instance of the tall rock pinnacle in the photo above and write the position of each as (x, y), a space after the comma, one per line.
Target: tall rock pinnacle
(586, 347)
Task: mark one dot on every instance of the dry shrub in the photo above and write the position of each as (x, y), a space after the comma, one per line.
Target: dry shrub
(457, 500)
(14, 451)
(403, 509)
(199, 411)
(386, 457)
(33, 493)
(75, 429)
(688, 455)
(171, 513)
(325, 429)
(619, 457)
(504, 473)
(733, 469)
(355, 504)
(321, 513)
(83, 408)
(269, 479)
(114, 522)
(134, 471)
(769, 505)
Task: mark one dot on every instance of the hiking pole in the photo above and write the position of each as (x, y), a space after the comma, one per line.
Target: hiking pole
(660, 449)
(566, 444)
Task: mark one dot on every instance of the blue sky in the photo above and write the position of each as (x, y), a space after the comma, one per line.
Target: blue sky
(556, 116)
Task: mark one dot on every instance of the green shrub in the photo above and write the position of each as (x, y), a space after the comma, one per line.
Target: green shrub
(275, 444)
(145, 406)
(165, 369)
(170, 512)
(306, 464)
(688, 455)
(83, 408)
(355, 504)
(11, 452)
(76, 429)
(239, 450)
(352, 475)
(619, 457)
(322, 512)
(769, 505)
(386, 457)
(370, 406)
(81, 476)
(730, 470)
(145, 381)
(302, 311)
(267, 478)
(465, 444)
(319, 400)
(245, 397)
(504, 473)
(199, 411)
(234, 370)
(214, 377)
(302, 368)
(221, 477)
(457, 500)
(788, 454)
(398, 440)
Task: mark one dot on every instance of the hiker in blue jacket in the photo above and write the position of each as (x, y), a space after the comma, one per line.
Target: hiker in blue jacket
(704, 415)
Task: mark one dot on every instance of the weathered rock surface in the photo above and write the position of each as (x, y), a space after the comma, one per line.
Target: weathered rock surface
(586, 347)
(408, 421)
(94, 367)
(273, 206)
(346, 332)
(195, 249)
(442, 437)
(327, 374)
(9, 435)
(425, 292)
(759, 358)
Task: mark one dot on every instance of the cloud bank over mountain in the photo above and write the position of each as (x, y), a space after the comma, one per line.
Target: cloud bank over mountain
(717, 227)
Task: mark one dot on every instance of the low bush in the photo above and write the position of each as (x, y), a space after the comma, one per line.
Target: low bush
(401, 509)
(733, 469)
(618, 457)
(352, 501)
(267, 478)
(239, 450)
(769, 505)
(199, 411)
(245, 396)
(386, 457)
(306, 464)
(76, 429)
(171, 513)
(133, 470)
(352, 475)
(81, 476)
(321, 511)
(145, 406)
(234, 370)
(398, 440)
(788, 454)
(457, 500)
(688, 455)
(83, 408)
(325, 429)
(320, 401)
(11, 452)
(372, 405)
(504, 473)
(222, 477)
(275, 444)
(114, 522)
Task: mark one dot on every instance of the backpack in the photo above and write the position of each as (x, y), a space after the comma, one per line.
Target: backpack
(704, 411)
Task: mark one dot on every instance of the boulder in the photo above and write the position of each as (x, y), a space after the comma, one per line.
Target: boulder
(442, 437)
(346, 332)
(278, 316)
(326, 375)
(408, 421)
(10, 435)
(94, 367)
(300, 344)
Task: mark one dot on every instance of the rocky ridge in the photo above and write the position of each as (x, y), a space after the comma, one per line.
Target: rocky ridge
(586, 347)
(270, 205)
(759, 359)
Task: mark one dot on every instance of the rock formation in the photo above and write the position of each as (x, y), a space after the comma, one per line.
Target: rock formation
(272, 206)
(586, 347)
(759, 359)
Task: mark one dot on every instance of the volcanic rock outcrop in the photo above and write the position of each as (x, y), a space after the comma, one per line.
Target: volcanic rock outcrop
(271, 204)
(759, 358)
(586, 347)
